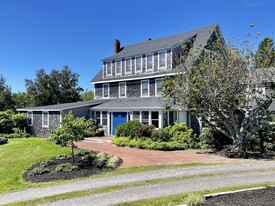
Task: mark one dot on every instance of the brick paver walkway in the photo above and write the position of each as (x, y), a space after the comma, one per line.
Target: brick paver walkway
(139, 157)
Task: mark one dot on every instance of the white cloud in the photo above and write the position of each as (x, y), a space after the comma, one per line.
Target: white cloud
(253, 3)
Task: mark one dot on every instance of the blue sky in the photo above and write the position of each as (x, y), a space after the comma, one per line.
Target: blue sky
(48, 34)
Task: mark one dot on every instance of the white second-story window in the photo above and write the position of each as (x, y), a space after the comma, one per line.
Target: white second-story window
(45, 119)
(128, 66)
(118, 67)
(122, 89)
(109, 69)
(158, 84)
(30, 118)
(138, 64)
(145, 88)
(149, 62)
(162, 59)
(105, 91)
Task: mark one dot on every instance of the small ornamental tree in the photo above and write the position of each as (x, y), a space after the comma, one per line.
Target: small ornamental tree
(221, 85)
(72, 130)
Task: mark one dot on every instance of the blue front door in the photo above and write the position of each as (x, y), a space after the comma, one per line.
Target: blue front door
(118, 118)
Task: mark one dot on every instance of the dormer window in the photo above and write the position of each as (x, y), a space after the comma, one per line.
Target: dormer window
(109, 69)
(149, 62)
(138, 64)
(128, 66)
(118, 67)
(162, 60)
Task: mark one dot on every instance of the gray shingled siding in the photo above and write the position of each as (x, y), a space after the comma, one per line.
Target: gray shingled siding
(133, 89)
(169, 59)
(156, 59)
(152, 87)
(98, 91)
(37, 129)
(79, 112)
(113, 90)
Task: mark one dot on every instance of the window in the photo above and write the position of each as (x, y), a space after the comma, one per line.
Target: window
(145, 117)
(97, 117)
(30, 118)
(128, 67)
(149, 62)
(109, 69)
(138, 64)
(155, 119)
(162, 59)
(105, 90)
(136, 116)
(118, 67)
(158, 88)
(45, 119)
(122, 89)
(145, 88)
(104, 118)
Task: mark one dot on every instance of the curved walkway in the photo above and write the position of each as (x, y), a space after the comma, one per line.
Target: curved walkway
(151, 175)
(140, 157)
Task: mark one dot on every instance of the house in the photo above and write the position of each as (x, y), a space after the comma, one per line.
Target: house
(128, 87)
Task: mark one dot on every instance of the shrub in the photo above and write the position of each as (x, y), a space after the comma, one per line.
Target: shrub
(161, 135)
(194, 200)
(45, 163)
(128, 129)
(101, 159)
(88, 158)
(66, 167)
(121, 141)
(20, 121)
(145, 130)
(99, 132)
(6, 122)
(63, 157)
(82, 152)
(3, 140)
(113, 162)
(39, 171)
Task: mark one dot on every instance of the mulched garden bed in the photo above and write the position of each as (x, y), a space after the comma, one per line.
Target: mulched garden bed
(85, 169)
(259, 197)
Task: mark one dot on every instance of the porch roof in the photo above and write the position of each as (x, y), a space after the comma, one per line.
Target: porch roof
(134, 103)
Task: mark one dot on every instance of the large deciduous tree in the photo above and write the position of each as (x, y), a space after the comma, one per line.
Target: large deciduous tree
(54, 88)
(6, 98)
(222, 87)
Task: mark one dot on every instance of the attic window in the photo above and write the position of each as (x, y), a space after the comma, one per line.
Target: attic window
(162, 59)
(138, 64)
(109, 69)
(118, 67)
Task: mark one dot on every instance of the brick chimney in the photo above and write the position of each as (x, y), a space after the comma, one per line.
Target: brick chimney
(148, 39)
(116, 46)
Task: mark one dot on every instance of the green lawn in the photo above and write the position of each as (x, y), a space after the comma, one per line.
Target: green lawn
(18, 155)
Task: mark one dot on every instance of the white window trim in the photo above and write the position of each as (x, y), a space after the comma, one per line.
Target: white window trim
(101, 118)
(156, 91)
(44, 125)
(140, 64)
(152, 69)
(130, 66)
(118, 73)
(107, 68)
(165, 52)
(120, 83)
(147, 80)
(103, 91)
(31, 114)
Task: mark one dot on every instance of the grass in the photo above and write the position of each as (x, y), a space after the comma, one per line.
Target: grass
(20, 154)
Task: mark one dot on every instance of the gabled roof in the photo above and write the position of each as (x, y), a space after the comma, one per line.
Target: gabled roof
(201, 36)
(61, 107)
(162, 43)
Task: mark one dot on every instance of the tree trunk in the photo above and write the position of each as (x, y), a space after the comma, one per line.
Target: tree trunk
(72, 146)
(262, 150)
